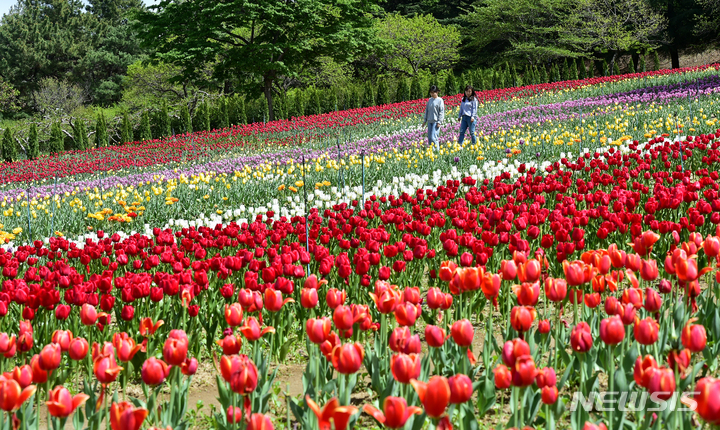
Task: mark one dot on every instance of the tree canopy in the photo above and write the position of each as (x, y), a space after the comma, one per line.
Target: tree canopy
(255, 42)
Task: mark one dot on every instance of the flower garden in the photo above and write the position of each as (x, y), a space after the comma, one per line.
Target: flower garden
(571, 253)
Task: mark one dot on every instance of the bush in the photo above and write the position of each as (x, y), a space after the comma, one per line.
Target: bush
(368, 99)
(55, 145)
(162, 123)
(383, 93)
(101, 132)
(451, 85)
(641, 64)
(186, 123)
(582, 71)
(126, 133)
(8, 146)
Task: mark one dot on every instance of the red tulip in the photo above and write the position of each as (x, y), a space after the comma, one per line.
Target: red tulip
(233, 314)
(447, 271)
(405, 367)
(653, 301)
(649, 270)
(335, 297)
(693, 336)
(612, 330)
(524, 371)
(343, 317)
(708, 407)
(318, 329)
(62, 338)
(544, 326)
(462, 332)
(308, 298)
(679, 360)
(402, 340)
(643, 369)
(396, 412)
(522, 317)
(50, 357)
(555, 289)
(12, 396)
(124, 416)
(527, 293)
(234, 414)
(461, 388)
(406, 314)
(147, 327)
(61, 403)
(88, 314)
(105, 368)
(711, 246)
(78, 349)
(508, 269)
(230, 344)
(503, 377)
(436, 299)
(434, 395)
(514, 349)
(260, 422)
(175, 348)
(574, 272)
(240, 372)
(661, 383)
(125, 347)
(154, 371)
(491, 287)
(274, 301)
(549, 395)
(332, 415)
(434, 336)
(529, 272)
(7, 343)
(251, 329)
(348, 358)
(23, 375)
(581, 337)
(545, 377)
(189, 366)
(646, 331)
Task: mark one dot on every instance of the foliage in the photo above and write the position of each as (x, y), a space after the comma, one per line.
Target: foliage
(259, 40)
(33, 144)
(126, 133)
(410, 45)
(145, 131)
(56, 143)
(8, 97)
(80, 138)
(8, 146)
(55, 98)
(186, 122)
(102, 138)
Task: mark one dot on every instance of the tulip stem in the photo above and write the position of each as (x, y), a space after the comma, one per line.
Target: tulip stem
(611, 377)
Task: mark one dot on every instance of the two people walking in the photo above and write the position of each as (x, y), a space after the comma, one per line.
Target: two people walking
(435, 114)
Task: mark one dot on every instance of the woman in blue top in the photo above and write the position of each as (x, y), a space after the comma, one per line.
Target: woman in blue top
(468, 114)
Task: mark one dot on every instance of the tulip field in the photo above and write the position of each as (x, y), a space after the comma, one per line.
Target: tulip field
(563, 271)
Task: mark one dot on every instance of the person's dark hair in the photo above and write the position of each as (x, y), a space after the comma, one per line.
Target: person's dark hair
(472, 93)
(434, 89)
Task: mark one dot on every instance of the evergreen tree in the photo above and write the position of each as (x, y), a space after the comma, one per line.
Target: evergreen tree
(334, 100)
(241, 116)
(299, 103)
(101, 133)
(77, 136)
(631, 66)
(450, 85)
(145, 132)
(8, 145)
(514, 76)
(616, 68)
(263, 110)
(544, 78)
(565, 71)
(605, 68)
(126, 132)
(582, 71)
(56, 139)
(33, 145)
(84, 135)
(224, 117)
(186, 123)
(368, 96)
(315, 105)
(198, 122)
(573, 70)
(415, 90)
(383, 93)
(641, 64)
(656, 61)
(162, 122)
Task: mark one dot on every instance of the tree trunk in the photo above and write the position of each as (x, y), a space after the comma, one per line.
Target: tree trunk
(674, 57)
(269, 97)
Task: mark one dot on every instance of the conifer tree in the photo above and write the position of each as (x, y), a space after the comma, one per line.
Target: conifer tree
(33, 143)
(368, 96)
(162, 122)
(415, 90)
(383, 93)
(56, 139)
(126, 132)
(616, 68)
(631, 66)
(573, 70)
(145, 132)
(77, 136)
(186, 122)
(8, 146)
(101, 133)
(450, 85)
(641, 64)
(582, 71)
(224, 117)
(656, 61)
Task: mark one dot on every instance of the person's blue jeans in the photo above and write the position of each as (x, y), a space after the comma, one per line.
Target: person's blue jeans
(466, 123)
(433, 134)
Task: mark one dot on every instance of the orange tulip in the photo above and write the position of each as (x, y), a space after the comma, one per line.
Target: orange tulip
(396, 412)
(124, 416)
(644, 366)
(147, 327)
(348, 358)
(646, 331)
(62, 403)
(233, 314)
(555, 289)
(332, 415)
(434, 395)
(125, 347)
(12, 396)
(527, 293)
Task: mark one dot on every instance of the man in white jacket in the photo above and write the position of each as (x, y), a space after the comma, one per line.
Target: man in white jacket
(434, 115)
